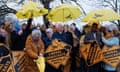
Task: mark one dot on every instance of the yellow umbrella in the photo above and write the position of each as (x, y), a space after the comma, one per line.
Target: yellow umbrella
(91, 21)
(102, 15)
(31, 8)
(40, 64)
(64, 12)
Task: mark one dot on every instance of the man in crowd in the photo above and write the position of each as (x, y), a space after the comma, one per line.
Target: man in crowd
(48, 39)
(91, 37)
(60, 35)
(18, 39)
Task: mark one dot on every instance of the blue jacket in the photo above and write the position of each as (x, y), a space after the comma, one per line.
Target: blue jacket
(110, 42)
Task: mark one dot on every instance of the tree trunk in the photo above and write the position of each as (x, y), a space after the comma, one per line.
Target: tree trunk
(116, 6)
(46, 5)
(62, 1)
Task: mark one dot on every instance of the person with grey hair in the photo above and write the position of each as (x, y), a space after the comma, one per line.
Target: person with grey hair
(48, 39)
(34, 49)
(60, 35)
(36, 32)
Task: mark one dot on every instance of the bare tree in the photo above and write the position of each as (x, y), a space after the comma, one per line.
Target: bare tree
(77, 3)
(62, 1)
(46, 5)
(21, 2)
(4, 9)
(80, 7)
(114, 4)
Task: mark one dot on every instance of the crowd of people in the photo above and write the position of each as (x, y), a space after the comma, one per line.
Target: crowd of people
(34, 40)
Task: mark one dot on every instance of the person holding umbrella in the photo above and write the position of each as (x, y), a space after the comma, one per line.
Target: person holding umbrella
(34, 50)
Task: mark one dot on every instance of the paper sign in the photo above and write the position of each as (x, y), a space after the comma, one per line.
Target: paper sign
(112, 55)
(18, 60)
(6, 64)
(57, 53)
(91, 53)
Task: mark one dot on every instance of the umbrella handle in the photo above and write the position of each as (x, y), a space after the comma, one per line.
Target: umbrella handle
(31, 15)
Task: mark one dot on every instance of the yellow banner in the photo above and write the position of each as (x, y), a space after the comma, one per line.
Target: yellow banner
(58, 53)
(91, 53)
(6, 64)
(112, 55)
(18, 60)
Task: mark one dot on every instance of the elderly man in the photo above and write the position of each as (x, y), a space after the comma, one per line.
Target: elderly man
(60, 35)
(48, 39)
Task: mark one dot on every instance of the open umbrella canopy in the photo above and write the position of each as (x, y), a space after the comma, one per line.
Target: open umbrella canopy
(102, 15)
(31, 8)
(92, 21)
(64, 12)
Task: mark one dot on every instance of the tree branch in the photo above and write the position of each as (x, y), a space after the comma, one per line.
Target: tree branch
(116, 6)
(114, 1)
(114, 22)
(21, 1)
(61, 1)
(110, 4)
(80, 7)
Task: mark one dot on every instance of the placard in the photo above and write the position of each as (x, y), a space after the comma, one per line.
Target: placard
(91, 53)
(18, 60)
(58, 53)
(6, 64)
(112, 55)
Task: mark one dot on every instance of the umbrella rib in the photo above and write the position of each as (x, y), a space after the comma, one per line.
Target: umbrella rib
(66, 14)
(72, 13)
(53, 17)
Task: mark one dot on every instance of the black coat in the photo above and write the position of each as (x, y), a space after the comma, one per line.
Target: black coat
(90, 36)
(18, 41)
(69, 38)
(77, 32)
(61, 37)
(47, 41)
(3, 50)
